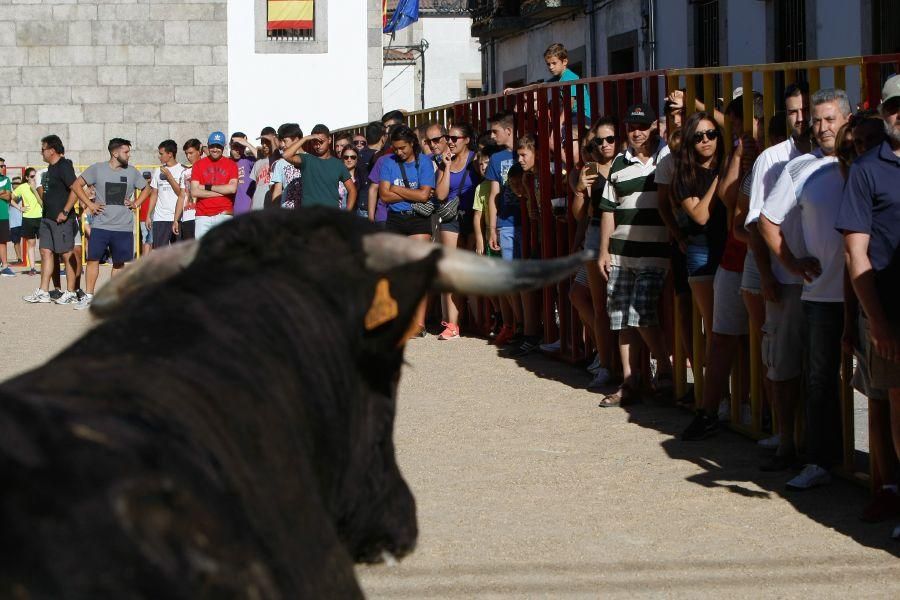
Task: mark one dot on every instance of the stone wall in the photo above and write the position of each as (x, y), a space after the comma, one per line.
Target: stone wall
(90, 70)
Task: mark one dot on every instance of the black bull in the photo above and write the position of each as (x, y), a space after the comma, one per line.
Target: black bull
(226, 431)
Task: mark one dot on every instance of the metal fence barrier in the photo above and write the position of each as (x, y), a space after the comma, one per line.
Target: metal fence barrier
(557, 113)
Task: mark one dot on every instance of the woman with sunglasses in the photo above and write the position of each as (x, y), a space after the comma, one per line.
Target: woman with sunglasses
(31, 207)
(456, 180)
(359, 177)
(359, 142)
(700, 215)
(599, 154)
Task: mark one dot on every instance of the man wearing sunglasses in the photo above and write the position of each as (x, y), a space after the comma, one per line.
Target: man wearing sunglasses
(321, 172)
(634, 254)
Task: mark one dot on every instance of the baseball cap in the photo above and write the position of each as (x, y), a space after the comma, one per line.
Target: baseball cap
(891, 89)
(216, 138)
(640, 114)
(266, 131)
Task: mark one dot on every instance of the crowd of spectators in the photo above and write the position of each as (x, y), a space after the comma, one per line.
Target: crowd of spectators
(797, 241)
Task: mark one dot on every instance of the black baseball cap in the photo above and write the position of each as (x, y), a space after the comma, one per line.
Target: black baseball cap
(266, 131)
(640, 114)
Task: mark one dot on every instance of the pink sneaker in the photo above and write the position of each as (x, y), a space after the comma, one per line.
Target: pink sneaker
(451, 331)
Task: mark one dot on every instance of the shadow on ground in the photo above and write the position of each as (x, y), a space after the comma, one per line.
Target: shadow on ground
(731, 461)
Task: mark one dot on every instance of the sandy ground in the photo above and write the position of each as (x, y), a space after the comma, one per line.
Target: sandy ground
(526, 489)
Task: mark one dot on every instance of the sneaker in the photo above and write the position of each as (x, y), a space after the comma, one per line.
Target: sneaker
(516, 340)
(885, 504)
(31, 271)
(67, 298)
(80, 293)
(83, 302)
(700, 428)
(7, 272)
(55, 294)
(595, 365)
(770, 443)
(725, 410)
(552, 348)
(810, 477)
(503, 336)
(529, 344)
(450, 332)
(38, 296)
(601, 379)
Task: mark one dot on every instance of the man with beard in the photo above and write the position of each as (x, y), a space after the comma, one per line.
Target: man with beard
(112, 229)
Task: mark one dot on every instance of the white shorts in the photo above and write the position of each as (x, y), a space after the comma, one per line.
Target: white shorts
(729, 313)
(782, 343)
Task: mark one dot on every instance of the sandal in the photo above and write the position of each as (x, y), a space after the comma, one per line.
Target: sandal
(624, 396)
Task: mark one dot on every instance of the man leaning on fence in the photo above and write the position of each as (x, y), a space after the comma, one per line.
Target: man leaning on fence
(869, 219)
(634, 254)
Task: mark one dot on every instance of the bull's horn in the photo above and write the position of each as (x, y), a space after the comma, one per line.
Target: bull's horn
(157, 266)
(466, 272)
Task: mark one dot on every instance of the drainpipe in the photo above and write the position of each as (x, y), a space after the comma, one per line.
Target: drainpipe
(592, 39)
(651, 35)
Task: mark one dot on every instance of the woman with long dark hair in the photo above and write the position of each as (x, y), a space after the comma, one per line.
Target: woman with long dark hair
(456, 182)
(407, 178)
(358, 175)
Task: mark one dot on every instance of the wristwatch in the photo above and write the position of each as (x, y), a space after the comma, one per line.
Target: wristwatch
(208, 187)
(66, 213)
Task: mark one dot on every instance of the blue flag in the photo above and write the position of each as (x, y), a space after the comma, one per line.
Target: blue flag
(406, 13)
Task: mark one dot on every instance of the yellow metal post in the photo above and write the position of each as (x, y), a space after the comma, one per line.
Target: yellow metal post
(747, 99)
(699, 360)
(690, 96)
(815, 82)
(727, 90)
(680, 368)
(768, 102)
(709, 93)
(847, 411)
(840, 77)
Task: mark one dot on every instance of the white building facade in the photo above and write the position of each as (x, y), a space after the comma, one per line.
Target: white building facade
(620, 36)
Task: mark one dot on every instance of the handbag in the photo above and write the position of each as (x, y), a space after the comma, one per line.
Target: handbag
(449, 210)
(423, 209)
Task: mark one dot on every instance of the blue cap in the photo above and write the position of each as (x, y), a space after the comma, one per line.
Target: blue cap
(216, 138)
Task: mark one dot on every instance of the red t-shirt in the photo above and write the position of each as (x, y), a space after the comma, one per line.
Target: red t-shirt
(218, 172)
(733, 257)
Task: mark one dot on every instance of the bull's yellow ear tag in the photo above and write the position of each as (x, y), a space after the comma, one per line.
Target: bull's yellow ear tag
(384, 308)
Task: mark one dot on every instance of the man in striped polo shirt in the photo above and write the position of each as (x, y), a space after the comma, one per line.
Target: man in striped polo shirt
(634, 253)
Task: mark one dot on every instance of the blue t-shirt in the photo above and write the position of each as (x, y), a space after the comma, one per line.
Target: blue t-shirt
(569, 75)
(871, 204)
(508, 212)
(463, 185)
(419, 174)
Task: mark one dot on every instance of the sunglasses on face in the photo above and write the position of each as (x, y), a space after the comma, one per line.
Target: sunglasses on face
(360, 143)
(710, 134)
(610, 139)
(437, 139)
(350, 157)
(455, 138)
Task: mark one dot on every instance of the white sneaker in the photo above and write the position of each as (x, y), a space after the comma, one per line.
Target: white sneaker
(84, 303)
(38, 296)
(770, 443)
(601, 379)
(551, 348)
(725, 409)
(810, 477)
(67, 298)
(594, 366)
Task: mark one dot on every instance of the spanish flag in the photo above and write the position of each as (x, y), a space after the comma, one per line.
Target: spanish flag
(290, 14)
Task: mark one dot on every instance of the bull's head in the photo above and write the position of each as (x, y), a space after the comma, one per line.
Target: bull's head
(341, 296)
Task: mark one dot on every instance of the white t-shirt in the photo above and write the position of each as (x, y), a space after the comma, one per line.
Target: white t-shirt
(805, 202)
(166, 198)
(190, 205)
(766, 171)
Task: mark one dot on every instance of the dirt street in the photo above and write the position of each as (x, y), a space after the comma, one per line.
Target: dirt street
(526, 489)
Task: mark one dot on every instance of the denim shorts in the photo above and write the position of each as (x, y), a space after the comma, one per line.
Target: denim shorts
(510, 242)
(700, 263)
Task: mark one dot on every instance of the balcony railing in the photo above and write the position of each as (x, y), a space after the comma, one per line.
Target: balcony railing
(544, 9)
(495, 17)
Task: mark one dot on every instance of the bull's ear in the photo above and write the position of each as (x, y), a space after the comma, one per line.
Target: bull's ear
(150, 270)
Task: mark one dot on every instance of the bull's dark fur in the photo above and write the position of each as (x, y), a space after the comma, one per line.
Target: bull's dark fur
(227, 434)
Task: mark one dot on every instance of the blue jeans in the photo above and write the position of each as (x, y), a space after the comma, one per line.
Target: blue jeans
(824, 434)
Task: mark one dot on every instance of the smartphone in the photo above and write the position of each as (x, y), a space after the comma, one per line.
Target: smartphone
(591, 168)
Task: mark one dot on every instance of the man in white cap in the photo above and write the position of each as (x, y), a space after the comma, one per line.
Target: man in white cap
(214, 181)
(869, 218)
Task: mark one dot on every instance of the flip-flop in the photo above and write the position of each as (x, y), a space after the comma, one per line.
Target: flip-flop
(624, 396)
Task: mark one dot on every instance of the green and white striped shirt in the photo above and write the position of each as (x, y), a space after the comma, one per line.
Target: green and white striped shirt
(640, 239)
